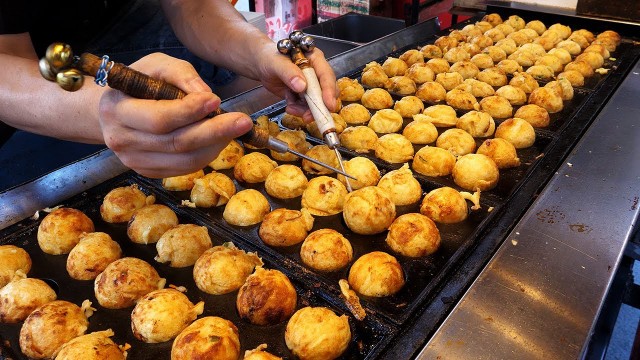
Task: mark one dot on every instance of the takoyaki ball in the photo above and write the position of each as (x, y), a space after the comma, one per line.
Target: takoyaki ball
(286, 181)
(483, 26)
(494, 34)
(442, 115)
(477, 123)
(505, 28)
(550, 61)
(60, 230)
(496, 106)
(412, 56)
(493, 76)
(394, 148)
(401, 186)
(523, 58)
(502, 152)
(297, 141)
(508, 45)
(530, 33)
(195, 341)
(394, 67)
(446, 42)
(456, 54)
(607, 43)
(49, 326)
(444, 205)
(360, 139)
(438, 65)
(548, 40)
(420, 131)
(124, 281)
(493, 19)
(588, 35)
(180, 182)
(326, 250)
(610, 34)
(541, 72)
(245, 208)
(263, 123)
(223, 269)
(519, 37)
(516, 22)
(433, 161)
(431, 52)
(120, 203)
(477, 88)
(362, 169)
(94, 346)
(312, 127)
(524, 81)
(356, 114)
(260, 353)
(466, 68)
(536, 25)
(471, 49)
(509, 66)
(574, 77)
(376, 274)
(420, 73)
(20, 297)
(182, 245)
(547, 98)
(580, 66)
(162, 314)
(253, 168)
(401, 85)
(518, 132)
(471, 30)
(413, 235)
(592, 58)
(431, 92)
(324, 196)
(571, 46)
(293, 122)
(375, 99)
(580, 40)
(285, 227)
(408, 106)
(94, 252)
(514, 95)
(149, 223)
(563, 86)
(386, 121)
(495, 53)
(349, 89)
(267, 297)
(214, 189)
(475, 172)
(15, 263)
(323, 154)
(563, 30)
(562, 55)
(368, 210)
(458, 35)
(460, 99)
(482, 41)
(317, 333)
(374, 76)
(228, 157)
(598, 49)
(535, 115)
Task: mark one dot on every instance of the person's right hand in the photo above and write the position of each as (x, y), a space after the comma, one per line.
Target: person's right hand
(162, 138)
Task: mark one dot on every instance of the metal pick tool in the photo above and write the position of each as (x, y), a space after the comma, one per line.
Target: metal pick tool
(295, 46)
(61, 66)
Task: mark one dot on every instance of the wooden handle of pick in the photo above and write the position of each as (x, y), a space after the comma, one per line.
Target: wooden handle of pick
(142, 86)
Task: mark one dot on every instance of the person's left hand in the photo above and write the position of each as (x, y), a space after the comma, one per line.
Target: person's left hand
(282, 77)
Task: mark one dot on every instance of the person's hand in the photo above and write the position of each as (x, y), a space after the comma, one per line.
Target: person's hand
(282, 77)
(168, 137)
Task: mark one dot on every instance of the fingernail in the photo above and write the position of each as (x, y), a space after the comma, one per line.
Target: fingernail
(211, 105)
(242, 124)
(298, 85)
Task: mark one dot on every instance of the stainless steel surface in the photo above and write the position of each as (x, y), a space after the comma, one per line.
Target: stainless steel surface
(540, 294)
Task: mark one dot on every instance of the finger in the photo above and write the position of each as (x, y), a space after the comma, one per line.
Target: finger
(161, 165)
(326, 77)
(295, 105)
(174, 71)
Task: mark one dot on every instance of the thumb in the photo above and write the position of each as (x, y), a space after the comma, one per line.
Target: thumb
(291, 75)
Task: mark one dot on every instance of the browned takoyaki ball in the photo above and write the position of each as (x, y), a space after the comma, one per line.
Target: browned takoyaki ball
(312, 127)
(523, 58)
(376, 274)
(552, 62)
(509, 66)
(286, 182)
(402, 187)
(588, 35)
(401, 85)
(536, 25)
(412, 56)
(223, 269)
(245, 208)
(20, 297)
(292, 121)
(253, 168)
(548, 40)
(483, 26)
(324, 154)
(519, 37)
(386, 121)
(446, 42)
(502, 152)
(517, 131)
(541, 72)
(475, 172)
(421, 130)
(494, 34)
(260, 353)
(562, 87)
(516, 22)
(149, 223)
(493, 76)
(94, 346)
(15, 263)
(394, 148)
(373, 75)
(359, 139)
(420, 73)
(514, 95)
(94, 252)
(562, 55)
(413, 235)
(431, 92)
(408, 106)
(524, 81)
(610, 34)
(471, 49)
(599, 49)
(362, 169)
(266, 298)
(431, 52)
(563, 30)
(61, 229)
(324, 196)
(467, 69)
(442, 115)
(285, 227)
(214, 189)
(495, 53)
(296, 139)
(356, 114)
(535, 115)
(493, 19)
(438, 65)
(477, 88)
(477, 124)
(456, 54)
(571, 46)
(120, 203)
(180, 182)
(369, 210)
(508, 45)
(182, 245)
(433, 161)
(547, 98)
(124, 281)
(444, 205)
(607, 43)
(505, 28)
(317, 333)
(375, 99)
(349, 89)
(326, 250)
(592, 58)
(194, 342)
(496, 106)
(394, 67)
(228, 157)
(462, 100)
(457, 141)
(580, 66)
(574, 77)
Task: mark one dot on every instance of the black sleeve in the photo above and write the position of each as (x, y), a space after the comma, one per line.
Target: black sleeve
(14, 16)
